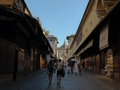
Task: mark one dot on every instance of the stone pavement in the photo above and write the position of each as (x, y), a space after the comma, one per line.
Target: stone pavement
(114, 84)
(15, 85)
(89, 80)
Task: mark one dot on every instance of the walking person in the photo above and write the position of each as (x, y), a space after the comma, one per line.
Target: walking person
(76, 68)
(72, 66)
(83, 65)
(78, 63)
(107, 70)
(80, 68)
(59, 67)
(50, 69)
(69, 66)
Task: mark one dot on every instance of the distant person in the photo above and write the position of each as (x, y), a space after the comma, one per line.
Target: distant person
(69, 66)
(59, 67)
(54, 66)
(83, 65)
(107, 70)
(50, 69)
(72, 66)
(76, 68)
(78, 63)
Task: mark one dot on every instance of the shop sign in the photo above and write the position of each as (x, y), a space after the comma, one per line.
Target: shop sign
(103, 42)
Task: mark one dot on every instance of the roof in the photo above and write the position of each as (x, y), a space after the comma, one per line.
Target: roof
(27, 21)
(110, 15)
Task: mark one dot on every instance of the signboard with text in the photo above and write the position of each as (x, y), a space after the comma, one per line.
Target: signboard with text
(103, 42)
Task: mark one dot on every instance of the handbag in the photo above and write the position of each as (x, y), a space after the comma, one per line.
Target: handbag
(63, 72)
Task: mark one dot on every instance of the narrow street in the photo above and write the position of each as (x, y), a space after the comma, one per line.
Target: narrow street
(39, 81)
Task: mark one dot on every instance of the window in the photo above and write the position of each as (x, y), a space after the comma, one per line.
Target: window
(91, 23)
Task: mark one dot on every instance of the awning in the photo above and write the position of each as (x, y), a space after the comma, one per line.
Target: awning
(86, 47)
(70, 58)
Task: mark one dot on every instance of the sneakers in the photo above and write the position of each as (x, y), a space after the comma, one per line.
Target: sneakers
(68, 72)
(58, 83)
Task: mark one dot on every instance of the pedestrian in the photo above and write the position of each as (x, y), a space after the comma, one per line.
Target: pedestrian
(78, 63)
(83, 65)
(72, 66)
(59, 67)
(69, 66)
(50, 69)
(76, 68)
(107, 70)
(54, 66)
(80, 67)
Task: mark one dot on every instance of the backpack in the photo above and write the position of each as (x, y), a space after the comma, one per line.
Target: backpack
(50, 68)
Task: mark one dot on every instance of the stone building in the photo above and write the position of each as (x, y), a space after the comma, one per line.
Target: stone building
(70, 39)
(62, 51)
(97, 40)
(22, 42)
(53, 42)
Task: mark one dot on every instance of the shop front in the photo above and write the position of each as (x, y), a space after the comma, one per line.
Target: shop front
(109, 61)
(97, 67)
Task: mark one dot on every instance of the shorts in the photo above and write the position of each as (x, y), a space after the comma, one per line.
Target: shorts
(50, 72)
(59, 72)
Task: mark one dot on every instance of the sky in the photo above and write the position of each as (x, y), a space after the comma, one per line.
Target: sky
(60, 17)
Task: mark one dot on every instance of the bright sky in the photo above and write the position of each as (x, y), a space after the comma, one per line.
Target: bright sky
(60, 17)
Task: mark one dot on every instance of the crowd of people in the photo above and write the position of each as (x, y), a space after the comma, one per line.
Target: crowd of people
(51, 67)
(72, 66)
(60, 66)
(76, 66)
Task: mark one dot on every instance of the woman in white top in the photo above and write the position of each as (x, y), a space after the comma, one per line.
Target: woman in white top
(107, 69)
(76, 68)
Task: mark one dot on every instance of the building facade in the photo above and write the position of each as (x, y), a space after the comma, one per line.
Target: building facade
(70, 39)
(22, 42)
(53, 42)
(97, 40)
(62, 52)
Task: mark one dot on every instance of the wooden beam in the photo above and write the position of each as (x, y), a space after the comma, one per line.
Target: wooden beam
(22, 28)
(6, 18)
